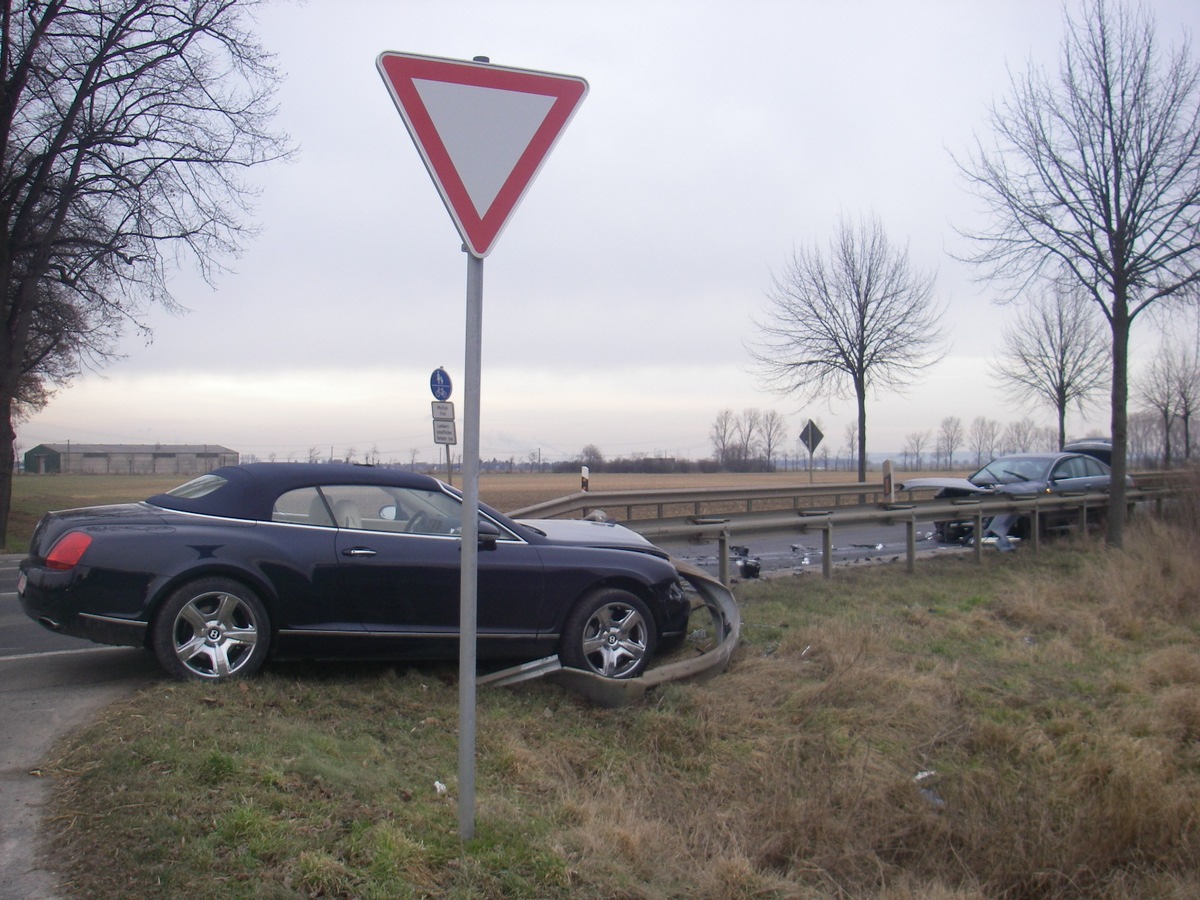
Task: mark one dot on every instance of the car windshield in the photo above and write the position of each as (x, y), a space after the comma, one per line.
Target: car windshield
(1008, 470)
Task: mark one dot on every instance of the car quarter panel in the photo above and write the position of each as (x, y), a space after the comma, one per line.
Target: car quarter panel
(128, 569)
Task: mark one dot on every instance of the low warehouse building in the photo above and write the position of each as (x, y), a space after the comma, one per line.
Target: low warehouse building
(127, 459)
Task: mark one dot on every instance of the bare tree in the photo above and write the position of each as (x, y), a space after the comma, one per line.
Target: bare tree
(914, 443)
(721, 436)
(746, 428)
(1045, 438)
(1019, 436)
(1187, 386)
(126, 127)
(1156, 391)
(984, 434)
(1145, 441)
(852, 445)
(1095, 181)
(774, 434)
(1055, 353)
(858, 319)
(950, 438)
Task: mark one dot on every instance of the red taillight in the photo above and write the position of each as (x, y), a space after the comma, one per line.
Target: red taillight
(68, 550)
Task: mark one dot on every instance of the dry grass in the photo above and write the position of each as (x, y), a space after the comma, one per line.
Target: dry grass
(1025, 729)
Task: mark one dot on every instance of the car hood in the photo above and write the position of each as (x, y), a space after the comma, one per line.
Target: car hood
(956, 484)
(592, 534)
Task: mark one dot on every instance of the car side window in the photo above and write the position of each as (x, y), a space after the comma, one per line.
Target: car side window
(1093, 467)
(358, 506)
(303, 506)
(1069, 468)
(396, 510)
(428, 512)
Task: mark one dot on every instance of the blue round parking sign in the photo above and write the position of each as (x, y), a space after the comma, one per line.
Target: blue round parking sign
(439, 383)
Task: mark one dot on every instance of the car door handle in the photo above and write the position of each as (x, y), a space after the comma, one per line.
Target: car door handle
(358, 551)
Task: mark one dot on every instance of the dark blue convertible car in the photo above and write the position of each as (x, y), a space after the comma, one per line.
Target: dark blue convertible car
(296, 560)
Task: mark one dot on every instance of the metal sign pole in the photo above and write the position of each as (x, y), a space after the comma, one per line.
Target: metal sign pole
(468, 595)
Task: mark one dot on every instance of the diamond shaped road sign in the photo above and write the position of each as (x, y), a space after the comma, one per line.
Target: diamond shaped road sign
(483, 131)
(811, 436)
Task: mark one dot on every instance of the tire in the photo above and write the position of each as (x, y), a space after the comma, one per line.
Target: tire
(212, 629)
(609, 632)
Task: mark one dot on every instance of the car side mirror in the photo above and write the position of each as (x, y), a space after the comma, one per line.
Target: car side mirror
(489, 534)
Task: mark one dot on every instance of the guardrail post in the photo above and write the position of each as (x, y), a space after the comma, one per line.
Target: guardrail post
(827, 550)
(910, 539)
(1035, 528)
(723, 556)
(979, 535)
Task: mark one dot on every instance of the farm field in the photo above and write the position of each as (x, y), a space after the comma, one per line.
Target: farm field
(35, 494)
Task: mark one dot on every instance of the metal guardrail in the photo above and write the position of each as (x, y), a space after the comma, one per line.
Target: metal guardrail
(908, 514)
(697, 514)
(654, 504)
(682, 503)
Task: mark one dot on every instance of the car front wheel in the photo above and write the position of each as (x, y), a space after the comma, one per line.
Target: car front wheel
(610, 632)
(211, 629)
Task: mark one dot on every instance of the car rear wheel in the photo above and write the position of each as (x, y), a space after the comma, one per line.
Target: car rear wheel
(610, 632)
(211, 629)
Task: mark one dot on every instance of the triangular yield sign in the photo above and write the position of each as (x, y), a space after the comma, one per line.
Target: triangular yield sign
(483, 130)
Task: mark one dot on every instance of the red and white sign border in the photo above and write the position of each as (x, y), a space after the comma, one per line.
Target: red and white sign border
(479, 232)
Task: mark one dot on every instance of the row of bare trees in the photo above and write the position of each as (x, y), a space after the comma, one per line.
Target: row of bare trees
(1091, 181)
(749, 440)
(982, 441)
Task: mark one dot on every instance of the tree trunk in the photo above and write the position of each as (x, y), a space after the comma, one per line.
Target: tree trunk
(8, 437)
(860, 391)
(1115, 533)
(1166, 414)
(1062, 420)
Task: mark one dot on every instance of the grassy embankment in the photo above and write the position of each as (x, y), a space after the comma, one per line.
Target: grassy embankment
(1025, 728)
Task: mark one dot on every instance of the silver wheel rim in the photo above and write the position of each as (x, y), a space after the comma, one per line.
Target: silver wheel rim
(215, 634)
(614, 640)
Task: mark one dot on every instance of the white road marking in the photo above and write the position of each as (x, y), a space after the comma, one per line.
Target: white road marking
(61, 653)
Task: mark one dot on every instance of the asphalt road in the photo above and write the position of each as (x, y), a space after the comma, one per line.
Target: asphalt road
(49, 686)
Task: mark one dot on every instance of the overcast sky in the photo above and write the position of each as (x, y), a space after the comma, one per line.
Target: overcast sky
(716, 138)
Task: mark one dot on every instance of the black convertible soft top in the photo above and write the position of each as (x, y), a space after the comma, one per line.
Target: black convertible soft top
(250, 491)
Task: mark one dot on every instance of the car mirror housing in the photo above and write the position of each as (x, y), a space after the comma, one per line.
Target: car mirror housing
(488, 534)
